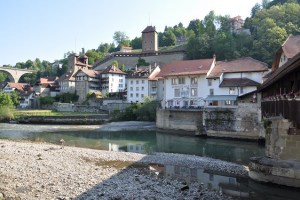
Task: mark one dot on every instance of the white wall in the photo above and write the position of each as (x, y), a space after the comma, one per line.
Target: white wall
(137, 89)
(116, 83)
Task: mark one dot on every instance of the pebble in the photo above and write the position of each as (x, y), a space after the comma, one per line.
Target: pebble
(75, 173)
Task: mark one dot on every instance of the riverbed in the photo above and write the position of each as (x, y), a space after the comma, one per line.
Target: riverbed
(34, 169)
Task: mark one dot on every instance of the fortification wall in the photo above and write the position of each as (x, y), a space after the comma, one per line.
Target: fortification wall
(131, 61)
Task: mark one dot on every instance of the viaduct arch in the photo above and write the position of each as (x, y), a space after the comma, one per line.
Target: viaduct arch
(14, 74)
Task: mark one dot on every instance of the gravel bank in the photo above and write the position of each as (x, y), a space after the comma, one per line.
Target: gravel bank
(44, 171)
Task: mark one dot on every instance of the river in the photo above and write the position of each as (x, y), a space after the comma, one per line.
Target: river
(139, 141)
(143, 138)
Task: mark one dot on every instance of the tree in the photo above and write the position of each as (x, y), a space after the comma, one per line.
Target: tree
(223, 23)
(255, 9)
(224, 46)
(196, 26)
(121, 38)
(5, 100)
(136, 43)
(15, 98)
(271, 27)
(209, 23)
(94, 56)
(115, 63)
(142, 62)
(3, 77)
(46, 100)
(200, 47)
(106, 48)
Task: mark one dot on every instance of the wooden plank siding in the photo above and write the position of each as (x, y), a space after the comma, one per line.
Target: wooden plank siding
(281, 93)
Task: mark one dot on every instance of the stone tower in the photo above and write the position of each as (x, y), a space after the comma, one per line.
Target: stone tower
(149, 39)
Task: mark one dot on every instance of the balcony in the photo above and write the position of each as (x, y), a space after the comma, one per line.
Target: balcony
(104, 80)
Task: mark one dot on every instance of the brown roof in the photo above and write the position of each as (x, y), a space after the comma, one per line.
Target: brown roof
(112, 70)
(289, 67)
(186, 67)
(67, 76)
(149, 29)
(89, 72)
(238, 82)
(246, 64)
(18, 86)
(291, 46)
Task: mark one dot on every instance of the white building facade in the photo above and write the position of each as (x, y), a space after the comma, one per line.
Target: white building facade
(198, 83)
(112, 80)
(142, 83)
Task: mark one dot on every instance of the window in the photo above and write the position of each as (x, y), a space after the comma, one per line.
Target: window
(131, 88)
(209, 82)
(131, 95)
(142, 88)
(137, 94)
(228, 103)
(137, 88)
(211, 91)
(176, 92)
(131, 82)
(194, 80)
(211, 177)
(170, 103)
(142, 95)
(181, 80)
(231, 90)
(193, 92)
(174, 81)
(121, 80)
(137, 81)
(241, 90)
(143, 81)
(120, 85)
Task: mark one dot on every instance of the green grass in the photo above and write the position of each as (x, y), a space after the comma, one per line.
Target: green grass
(28, 113)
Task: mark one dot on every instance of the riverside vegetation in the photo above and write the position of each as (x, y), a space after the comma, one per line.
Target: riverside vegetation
(270, 24)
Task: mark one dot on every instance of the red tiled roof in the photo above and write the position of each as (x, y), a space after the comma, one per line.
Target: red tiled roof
(291, 46)
(238, 82)
(18, 86)
(246, 64)
(186, 67)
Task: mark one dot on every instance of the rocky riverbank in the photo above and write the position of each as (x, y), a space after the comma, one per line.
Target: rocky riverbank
(44, 171)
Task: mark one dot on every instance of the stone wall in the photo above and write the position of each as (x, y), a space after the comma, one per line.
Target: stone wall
(242, 121)
(279, 143)
(131, 61)
(281, 165)
(178, 119)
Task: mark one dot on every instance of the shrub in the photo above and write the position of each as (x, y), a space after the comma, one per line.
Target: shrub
(6, 113)
(47, 100)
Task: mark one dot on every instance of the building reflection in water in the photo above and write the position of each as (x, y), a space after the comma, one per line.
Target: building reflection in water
(129, 147)
(209, 179)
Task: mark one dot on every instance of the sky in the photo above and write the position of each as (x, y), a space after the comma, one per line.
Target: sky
(46, 29)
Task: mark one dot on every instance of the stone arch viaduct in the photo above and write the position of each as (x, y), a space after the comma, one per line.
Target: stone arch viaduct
(14, 74)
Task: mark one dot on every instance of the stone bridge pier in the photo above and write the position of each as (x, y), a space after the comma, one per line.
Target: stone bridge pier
(14, 74)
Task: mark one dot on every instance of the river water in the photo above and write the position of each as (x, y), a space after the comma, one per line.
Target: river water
(143, 141)
(148, 141)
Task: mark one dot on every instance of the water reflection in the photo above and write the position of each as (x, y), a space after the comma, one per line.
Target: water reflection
(230, 150)
(134, 141)
(241, 188)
